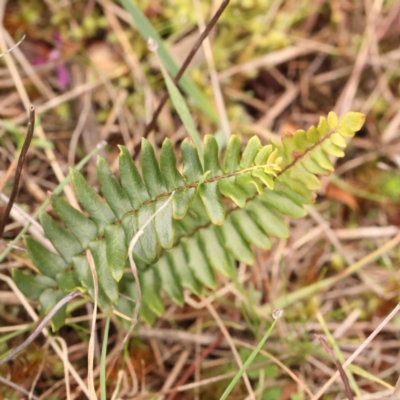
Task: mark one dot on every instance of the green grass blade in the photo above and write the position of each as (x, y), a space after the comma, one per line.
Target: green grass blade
(147, 30)
(182, 110)
(11, 335)
(103, 377)
(248, 362)
(367, 375)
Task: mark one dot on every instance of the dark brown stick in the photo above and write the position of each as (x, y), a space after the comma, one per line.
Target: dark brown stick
(182, 69)
(343, 375)
(24, 151)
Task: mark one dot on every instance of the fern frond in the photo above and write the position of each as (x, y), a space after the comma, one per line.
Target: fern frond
(216, 215)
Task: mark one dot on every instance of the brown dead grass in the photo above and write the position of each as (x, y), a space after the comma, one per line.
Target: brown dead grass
(341, 57)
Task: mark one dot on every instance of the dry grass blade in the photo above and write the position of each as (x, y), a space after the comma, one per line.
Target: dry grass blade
(135, 274)
(40, 369)
(40, 327)
(195, 363)
(33, 315)
(24, 219)
(219, 99)
(173, 375)
(269, 60)
(396, 391)
(307, 291)
(348, 94)
(6, 382)
(30, 71)
(13, 47)
(134, 269)
(228, 338)
(64, 348)
(8, 173)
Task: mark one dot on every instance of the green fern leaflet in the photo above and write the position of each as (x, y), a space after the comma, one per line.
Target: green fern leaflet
(216, 215)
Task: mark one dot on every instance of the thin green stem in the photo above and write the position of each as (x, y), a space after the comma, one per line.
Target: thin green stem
(11, 335)
(103, 387)
(248, 362)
